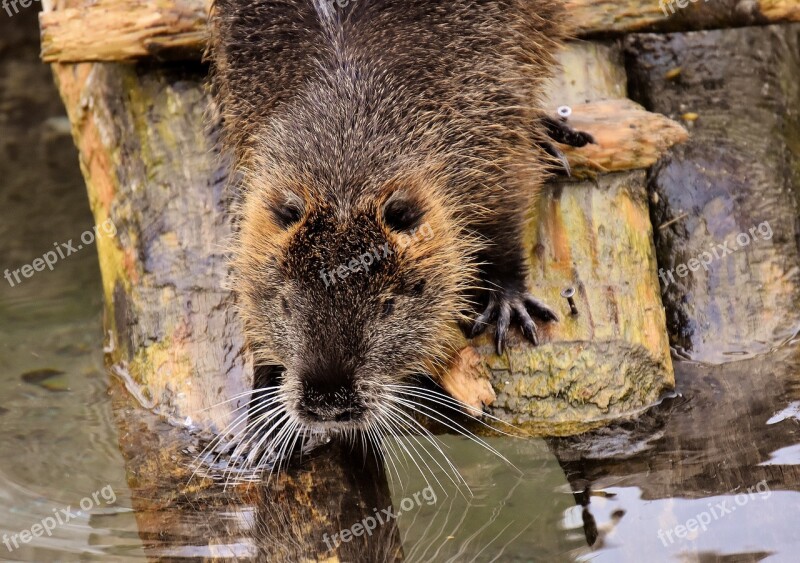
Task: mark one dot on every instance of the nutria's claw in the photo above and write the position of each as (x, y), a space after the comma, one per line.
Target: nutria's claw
(507, 305)
(560, 132)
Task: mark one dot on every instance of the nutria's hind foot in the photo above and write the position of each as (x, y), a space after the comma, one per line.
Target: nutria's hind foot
(506, 305)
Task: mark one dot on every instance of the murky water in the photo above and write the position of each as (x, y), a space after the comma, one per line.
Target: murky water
(710, 475)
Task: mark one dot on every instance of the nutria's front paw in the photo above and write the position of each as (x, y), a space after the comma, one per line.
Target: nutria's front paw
(507, 305)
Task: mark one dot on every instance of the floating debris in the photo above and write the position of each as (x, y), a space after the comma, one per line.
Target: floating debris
(50, 379)
(674, 73)
(691, 117)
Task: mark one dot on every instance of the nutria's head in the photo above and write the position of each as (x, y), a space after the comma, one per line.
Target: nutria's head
(349, 287)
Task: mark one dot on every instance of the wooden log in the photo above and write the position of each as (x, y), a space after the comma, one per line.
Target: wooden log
(114, 30)
(612, 358)
(736, 179)
(626, 136)
(150, 167)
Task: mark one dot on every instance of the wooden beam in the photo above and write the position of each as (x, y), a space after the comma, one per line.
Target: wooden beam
(627, 137)
(117, 30)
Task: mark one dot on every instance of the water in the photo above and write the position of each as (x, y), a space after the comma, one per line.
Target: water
(710, 475)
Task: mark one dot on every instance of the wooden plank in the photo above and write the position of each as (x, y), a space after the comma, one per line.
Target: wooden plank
(114, 30)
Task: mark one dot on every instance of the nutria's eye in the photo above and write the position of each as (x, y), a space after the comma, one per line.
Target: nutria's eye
(401, 213)
(388, 308)
(418, 288)
(287, 215)
(285, 305)
(288, 212)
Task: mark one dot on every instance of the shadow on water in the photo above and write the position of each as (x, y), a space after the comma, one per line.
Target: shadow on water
(710, 475)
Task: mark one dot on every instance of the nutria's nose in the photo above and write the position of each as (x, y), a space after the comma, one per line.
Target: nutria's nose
(330, 404)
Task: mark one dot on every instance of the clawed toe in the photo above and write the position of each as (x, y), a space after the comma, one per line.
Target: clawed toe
(484, 319)
(505, 307)
(540, 310)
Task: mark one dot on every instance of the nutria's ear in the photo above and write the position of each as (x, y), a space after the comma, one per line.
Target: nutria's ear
(288, 209)
(402, 211)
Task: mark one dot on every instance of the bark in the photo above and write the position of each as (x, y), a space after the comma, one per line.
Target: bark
(626, 136)
(113, 30)
(740, 171)
(613, 357)
(150, 168)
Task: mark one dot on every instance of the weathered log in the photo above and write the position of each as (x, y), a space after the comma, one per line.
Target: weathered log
(114, 30)
(143, 149)
(626, 136)
(738, 178)
(150, 168)
(613, 357)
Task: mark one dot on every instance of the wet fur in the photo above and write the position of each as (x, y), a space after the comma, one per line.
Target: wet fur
(336, 111)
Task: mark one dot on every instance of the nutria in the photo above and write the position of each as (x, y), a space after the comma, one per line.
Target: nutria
(359, 129)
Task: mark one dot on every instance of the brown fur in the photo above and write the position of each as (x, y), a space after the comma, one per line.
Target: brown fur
(330, 113)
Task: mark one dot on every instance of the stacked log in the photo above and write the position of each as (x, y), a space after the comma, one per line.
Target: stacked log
(150, 166)
(114, 30)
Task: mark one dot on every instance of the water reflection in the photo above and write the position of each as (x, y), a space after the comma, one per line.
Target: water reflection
(731, 430)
